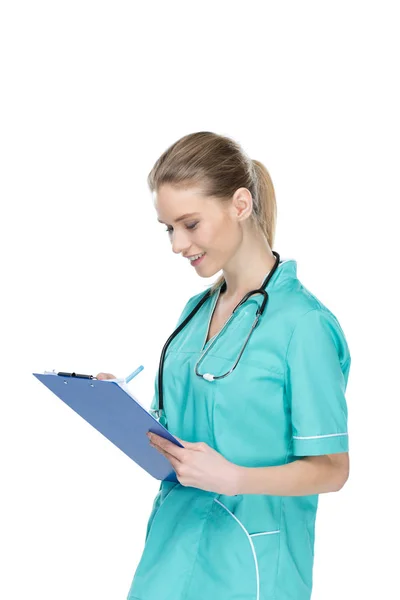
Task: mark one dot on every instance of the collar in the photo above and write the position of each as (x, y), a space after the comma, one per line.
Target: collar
(287, 270)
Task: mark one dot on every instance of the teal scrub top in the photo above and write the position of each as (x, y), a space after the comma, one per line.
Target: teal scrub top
(285, 399)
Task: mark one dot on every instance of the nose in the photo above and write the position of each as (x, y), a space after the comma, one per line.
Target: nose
(179, 241)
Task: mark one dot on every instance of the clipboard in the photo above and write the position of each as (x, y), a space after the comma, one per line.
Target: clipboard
(111, 408)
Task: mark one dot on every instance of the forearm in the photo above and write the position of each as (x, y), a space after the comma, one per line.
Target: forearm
(305, 476)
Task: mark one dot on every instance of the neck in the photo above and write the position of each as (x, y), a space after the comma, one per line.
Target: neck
(248, 268)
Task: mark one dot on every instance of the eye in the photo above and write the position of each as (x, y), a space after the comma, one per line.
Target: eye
(191, 226)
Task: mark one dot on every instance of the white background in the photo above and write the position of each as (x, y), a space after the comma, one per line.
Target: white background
(92, 93)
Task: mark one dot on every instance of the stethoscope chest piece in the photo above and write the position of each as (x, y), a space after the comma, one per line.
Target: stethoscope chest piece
(209, 376)
(259, 312)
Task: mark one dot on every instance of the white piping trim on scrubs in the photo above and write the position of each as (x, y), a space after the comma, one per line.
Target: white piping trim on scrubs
(314, 437)
(264, 533)
(249, 536)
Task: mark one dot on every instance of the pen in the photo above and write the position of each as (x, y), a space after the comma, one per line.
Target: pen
(132, 375)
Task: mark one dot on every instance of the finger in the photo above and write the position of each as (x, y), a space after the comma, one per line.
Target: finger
(184, 442)
(174, 461)
(105, 376)
(169, 447)
(157, 439)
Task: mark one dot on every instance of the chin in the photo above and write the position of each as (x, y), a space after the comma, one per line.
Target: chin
(207, 275)
(210, 272)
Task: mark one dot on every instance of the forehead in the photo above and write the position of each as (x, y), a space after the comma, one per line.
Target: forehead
(172, 203)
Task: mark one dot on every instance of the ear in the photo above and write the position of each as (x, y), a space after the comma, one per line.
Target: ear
(242, 204)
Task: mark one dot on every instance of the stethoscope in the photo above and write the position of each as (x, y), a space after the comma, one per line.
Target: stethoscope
(209, 376)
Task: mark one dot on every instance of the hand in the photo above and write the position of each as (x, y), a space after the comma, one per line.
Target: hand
(105, 376)
(198, 465)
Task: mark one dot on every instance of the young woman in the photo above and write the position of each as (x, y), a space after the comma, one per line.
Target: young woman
(262, 435)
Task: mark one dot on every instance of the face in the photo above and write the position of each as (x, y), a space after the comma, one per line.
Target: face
(211, 226)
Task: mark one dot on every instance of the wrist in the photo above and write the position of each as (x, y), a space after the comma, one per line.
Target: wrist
(236, 480)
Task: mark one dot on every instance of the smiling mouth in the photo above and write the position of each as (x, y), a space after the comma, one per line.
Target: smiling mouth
(197, 260)
(196, 256)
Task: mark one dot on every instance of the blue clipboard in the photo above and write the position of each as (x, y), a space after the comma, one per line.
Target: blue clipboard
(112, 409)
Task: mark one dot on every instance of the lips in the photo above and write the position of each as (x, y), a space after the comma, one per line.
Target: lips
(199, 255)
(197, 261)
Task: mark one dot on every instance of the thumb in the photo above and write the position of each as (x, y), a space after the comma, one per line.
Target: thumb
(105, 376)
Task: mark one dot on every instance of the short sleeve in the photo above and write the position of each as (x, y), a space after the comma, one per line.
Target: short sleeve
(317, 370)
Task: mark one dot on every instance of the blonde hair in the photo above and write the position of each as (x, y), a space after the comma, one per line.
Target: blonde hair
(219, 166)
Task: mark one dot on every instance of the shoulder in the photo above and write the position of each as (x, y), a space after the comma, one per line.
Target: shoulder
(309, 321)
(296, 301)
(190, 305)
(318, 329)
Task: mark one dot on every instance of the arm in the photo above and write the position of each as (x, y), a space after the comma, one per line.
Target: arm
(305, 476)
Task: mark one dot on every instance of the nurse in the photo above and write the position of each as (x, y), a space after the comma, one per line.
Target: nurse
(262, 442)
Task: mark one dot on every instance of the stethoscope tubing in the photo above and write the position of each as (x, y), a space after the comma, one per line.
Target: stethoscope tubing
(260, 311)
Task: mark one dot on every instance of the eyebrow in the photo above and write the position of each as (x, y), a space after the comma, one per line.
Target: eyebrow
(181, 218)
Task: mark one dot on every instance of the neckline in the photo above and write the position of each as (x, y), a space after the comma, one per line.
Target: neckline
(212, 310)
(217, 295)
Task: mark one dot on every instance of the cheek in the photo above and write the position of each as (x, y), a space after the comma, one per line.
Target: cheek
(227, 238)
(205, 237)
(217, 236)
